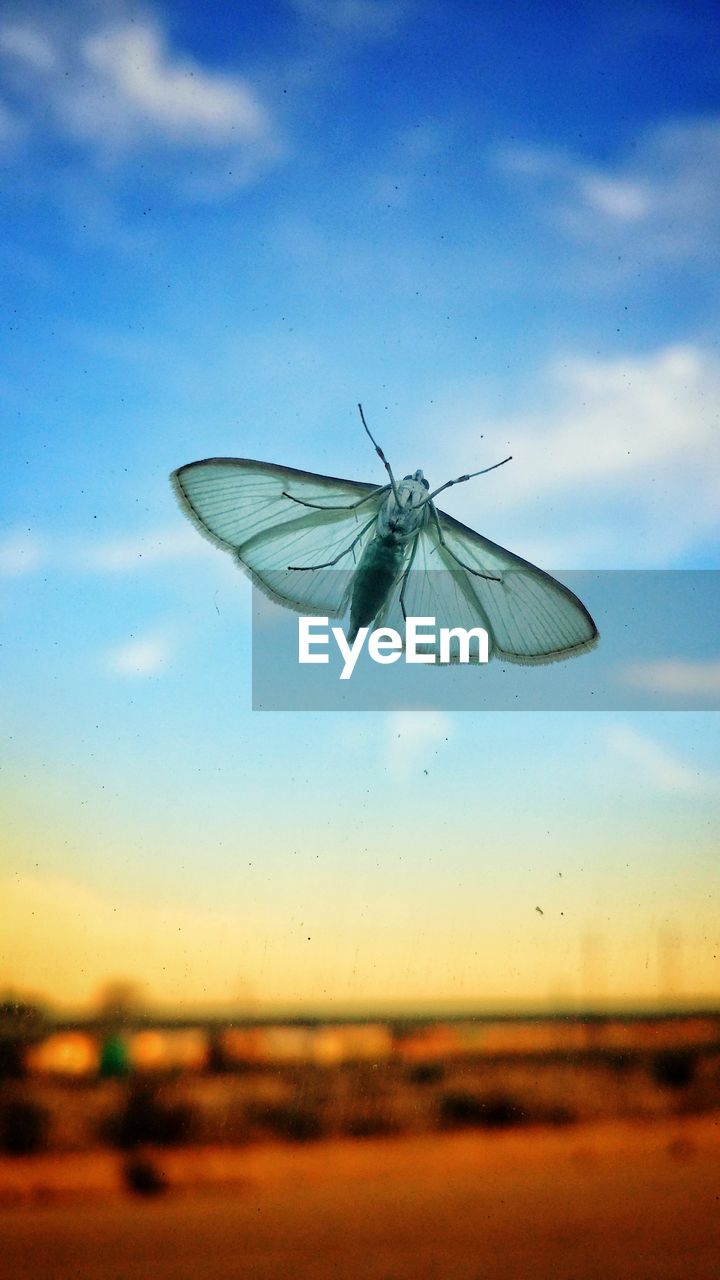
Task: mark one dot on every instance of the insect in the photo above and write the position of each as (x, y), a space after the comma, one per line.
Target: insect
(321, 545)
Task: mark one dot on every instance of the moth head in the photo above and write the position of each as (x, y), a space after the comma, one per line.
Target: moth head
(419, 477)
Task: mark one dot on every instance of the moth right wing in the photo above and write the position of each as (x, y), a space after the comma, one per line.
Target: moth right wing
(531, 617)
(270, 517)
(467, 581)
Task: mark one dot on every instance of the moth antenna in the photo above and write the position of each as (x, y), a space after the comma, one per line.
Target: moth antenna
(380, 455)
(461, 479)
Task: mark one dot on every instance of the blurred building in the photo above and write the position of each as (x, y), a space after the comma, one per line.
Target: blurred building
(64, 1053)
(76, 1052)
(176, 1049)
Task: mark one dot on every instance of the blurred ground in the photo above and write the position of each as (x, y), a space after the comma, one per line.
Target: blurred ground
(590, 1202)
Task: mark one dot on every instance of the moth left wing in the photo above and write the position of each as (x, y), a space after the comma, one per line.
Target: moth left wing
(270, 517)
(529, 616)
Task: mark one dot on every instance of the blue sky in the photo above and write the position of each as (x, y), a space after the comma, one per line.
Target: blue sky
(221, 229)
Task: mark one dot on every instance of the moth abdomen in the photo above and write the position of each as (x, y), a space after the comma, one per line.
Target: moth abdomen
(381, 564)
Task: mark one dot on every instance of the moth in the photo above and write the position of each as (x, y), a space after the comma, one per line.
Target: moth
(321, 545)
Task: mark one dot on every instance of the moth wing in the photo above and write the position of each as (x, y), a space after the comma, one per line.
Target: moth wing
(256, 511)
(529, 616)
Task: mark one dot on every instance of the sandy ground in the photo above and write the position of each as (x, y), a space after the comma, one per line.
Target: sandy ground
(607, 1202)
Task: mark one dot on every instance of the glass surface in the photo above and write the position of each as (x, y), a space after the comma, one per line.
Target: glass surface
(419, 992)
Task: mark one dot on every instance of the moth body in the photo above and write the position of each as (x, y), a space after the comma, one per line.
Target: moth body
(386, 555)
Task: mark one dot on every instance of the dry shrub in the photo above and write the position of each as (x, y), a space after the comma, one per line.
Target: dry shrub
(145, 1118)
(24, 1127)
(462, 1109)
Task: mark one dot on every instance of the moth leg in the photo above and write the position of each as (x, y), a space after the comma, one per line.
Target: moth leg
(406, 575)
(491, 577)
(381, 456)
(461, 479)
(329, 563)
(350, 506)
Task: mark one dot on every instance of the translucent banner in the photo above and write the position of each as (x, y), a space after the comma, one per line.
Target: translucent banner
(658, 647)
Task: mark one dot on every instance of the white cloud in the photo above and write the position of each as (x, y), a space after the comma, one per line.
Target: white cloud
(125, 555)
(355, 17)
(122, 87)
(28, 45)
(21, 553)
(624, 200)
(139, 86)
(621, 463)
(626, 415)
(684, 678)
(659, 200)
(655, 764)
(410, 737)
(143, 655)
